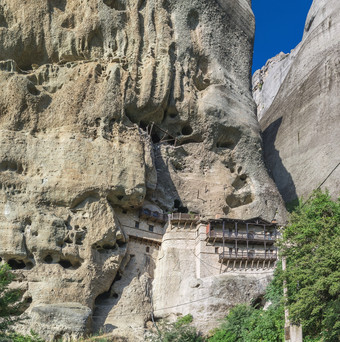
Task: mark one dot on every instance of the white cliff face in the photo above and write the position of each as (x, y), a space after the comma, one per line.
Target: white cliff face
(299, 117)
(107, 107)
(267, 80)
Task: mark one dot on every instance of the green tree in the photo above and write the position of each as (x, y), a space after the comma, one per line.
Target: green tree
(9, 306)
(311, 246)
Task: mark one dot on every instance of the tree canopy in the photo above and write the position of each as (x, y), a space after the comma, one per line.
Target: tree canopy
(311, 246)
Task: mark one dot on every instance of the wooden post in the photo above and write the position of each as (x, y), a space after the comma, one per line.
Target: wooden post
(223, 236)
(236, 239)
(265, 242)
(247, 238)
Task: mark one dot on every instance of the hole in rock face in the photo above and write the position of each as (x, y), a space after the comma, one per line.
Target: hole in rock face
(193, 19)
(178, 205)
(0, 259)
(155, 138)
(28, 300)
(16, 264)
(187, 130)
(225, 144)
(65, 263)
(118, 5)
(258, 302)
(68, 240)
(27, 221)
(48, 259)
(109, 247)
(243, 177)
(120, 197)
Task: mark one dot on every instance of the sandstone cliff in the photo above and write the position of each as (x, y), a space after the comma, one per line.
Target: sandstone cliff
(298, 98)
(107, 107)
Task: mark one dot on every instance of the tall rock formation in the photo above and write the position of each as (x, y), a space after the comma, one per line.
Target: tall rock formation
(298, 98)
(107, 107)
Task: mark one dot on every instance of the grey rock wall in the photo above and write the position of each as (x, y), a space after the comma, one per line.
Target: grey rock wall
(299, 108)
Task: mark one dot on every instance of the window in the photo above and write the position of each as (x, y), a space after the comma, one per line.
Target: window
(136, 224)
(124, 211)
(147, 249)
(216, 250)
(151, 228)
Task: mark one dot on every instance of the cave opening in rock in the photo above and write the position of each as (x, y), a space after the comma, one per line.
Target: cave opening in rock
(48, 259)
(187, 130)
(155, 138)
(16, 264)
(180, 208)
(65, 264)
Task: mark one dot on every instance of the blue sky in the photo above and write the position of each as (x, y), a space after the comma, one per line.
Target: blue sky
(279, 27)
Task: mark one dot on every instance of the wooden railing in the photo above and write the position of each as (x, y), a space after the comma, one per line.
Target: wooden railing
(242, 236)
(156, 216)
(244, 255)
(183, 217)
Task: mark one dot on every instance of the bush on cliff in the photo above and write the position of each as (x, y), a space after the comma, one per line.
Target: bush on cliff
(9, 306)
(311, 246)
(180, 331)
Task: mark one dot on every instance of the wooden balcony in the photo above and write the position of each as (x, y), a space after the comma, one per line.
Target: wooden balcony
(217, 236)
(182, 217)
(244, 255)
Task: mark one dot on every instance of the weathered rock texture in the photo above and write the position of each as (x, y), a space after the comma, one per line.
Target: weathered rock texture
(298, 98)
(107, 106)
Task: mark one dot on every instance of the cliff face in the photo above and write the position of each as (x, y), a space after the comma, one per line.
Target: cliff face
(107, 107)
(298, 105)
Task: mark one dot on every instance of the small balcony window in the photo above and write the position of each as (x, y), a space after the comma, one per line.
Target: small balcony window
(151, 227)
(136, 224)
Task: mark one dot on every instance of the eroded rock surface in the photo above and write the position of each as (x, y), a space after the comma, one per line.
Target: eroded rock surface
(298, 106)
(108, 106)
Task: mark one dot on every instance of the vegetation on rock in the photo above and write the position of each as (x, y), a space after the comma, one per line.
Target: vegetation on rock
(311, 246)
(180, 331)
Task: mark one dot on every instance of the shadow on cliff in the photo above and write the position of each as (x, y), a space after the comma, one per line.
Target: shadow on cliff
(166, 194)
(275, 166)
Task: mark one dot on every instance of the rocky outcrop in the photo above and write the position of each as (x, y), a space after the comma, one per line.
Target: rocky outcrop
(298, 99)
(107, 107)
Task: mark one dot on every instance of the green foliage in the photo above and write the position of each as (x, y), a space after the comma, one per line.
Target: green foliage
(311, 246)
(247, 324)
(9, 306)
(180, 331)
(185, 320)
(14, 337)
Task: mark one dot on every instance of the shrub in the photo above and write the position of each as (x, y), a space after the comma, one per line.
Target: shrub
(180, 331)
